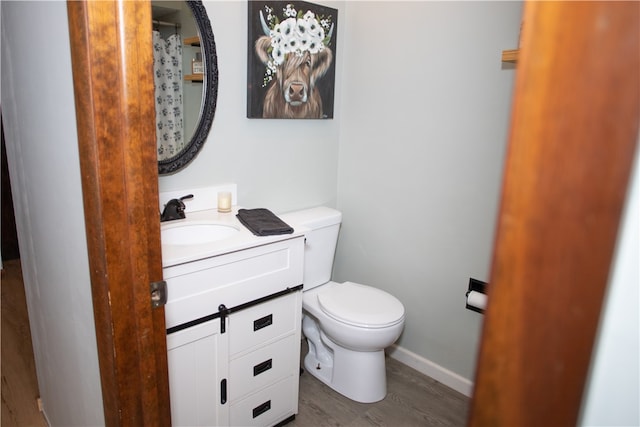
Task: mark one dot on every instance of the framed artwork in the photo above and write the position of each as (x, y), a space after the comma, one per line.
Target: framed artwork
(291, 60)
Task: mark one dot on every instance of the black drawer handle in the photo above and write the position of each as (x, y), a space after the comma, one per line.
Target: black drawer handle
(262, 367)
(223, 391)
(263, 322)
(261, 409)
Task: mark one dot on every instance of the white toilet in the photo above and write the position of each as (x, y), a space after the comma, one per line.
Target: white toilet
(347, 325)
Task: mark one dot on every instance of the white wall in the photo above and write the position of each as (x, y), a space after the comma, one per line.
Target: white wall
(42, 150)
(279, 164)
(613, 388)
(424, 120)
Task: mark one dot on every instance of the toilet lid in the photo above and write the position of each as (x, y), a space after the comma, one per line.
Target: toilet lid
(361, 305)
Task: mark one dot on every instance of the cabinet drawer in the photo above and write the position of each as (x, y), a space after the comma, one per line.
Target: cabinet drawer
(263, 322)
(196, 289)
(268, 406)
(264, 366)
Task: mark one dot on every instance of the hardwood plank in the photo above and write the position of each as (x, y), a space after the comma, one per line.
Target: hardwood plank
(9, 244)
(413, 399)
(19, 383)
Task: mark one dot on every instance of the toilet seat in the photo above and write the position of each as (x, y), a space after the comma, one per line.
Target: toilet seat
(361, 306)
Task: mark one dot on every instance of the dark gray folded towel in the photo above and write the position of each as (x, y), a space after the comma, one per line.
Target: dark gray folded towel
(263, 222)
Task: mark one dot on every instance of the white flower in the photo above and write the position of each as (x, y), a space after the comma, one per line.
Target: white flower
(315, 29)
(290, 11)
(315, 44)
(278, 54)
(275, 31)
(294, 35)
(302, 34)
(292, 45)
(287, 28)
(303, 42)
(276, 38)
(289, 41)
(302, 27)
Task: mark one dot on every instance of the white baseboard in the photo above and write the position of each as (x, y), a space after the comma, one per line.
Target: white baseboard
(430, 369)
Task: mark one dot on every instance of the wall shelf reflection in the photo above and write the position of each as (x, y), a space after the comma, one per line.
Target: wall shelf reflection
(510, 55)
(194, 77)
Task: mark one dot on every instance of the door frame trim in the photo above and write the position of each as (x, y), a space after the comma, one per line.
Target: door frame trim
(110, 47)
(574, 131)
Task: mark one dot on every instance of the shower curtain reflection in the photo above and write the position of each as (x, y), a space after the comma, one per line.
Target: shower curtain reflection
(167, 69)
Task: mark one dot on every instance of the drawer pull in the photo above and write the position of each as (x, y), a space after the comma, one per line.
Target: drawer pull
(263, 322)
(261, 409)
(223, 391)
(262, 367)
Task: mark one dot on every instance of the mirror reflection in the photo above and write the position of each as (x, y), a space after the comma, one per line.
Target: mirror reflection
(185, 80)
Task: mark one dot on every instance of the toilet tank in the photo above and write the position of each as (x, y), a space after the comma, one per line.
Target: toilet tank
(321, 226)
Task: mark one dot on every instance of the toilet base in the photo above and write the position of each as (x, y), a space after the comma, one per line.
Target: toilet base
(358, 375)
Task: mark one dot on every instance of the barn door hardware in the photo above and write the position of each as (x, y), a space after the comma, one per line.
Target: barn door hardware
(224, 312)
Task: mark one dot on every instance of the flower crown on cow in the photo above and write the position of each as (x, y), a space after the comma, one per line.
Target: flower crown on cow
(297, 33)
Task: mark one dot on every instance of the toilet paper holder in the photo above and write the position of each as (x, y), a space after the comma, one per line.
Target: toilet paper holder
(479, 286)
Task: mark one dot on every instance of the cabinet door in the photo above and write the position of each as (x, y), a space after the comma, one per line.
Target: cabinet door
(197, 359)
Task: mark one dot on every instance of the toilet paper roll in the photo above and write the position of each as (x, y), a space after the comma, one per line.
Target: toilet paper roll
(477, 299)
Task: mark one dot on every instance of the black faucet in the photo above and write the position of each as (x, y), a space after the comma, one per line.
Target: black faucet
(174, 209)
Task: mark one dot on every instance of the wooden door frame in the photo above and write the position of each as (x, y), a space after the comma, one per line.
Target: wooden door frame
(573, 137)
(112, 68)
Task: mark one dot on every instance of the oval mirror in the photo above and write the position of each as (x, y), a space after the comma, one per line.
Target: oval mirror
(185, 79)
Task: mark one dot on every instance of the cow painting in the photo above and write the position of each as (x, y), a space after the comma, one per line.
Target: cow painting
(295, 51)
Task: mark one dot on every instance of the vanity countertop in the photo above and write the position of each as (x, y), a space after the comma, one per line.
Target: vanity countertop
(175, 254)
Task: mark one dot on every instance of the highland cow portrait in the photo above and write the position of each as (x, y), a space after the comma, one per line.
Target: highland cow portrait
(291, 57)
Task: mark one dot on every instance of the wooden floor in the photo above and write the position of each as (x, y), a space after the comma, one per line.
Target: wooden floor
(19, 384)
(413, 399)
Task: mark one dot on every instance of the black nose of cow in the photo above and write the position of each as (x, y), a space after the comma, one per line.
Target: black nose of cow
(296, 91)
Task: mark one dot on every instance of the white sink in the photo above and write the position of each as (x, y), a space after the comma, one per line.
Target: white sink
(195, 233)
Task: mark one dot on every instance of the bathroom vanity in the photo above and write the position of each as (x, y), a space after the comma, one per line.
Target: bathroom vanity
(233, 317)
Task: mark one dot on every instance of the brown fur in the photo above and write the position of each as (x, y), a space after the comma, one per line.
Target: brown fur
(303, 71)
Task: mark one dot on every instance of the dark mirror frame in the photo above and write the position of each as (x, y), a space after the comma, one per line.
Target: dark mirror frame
(209, 96)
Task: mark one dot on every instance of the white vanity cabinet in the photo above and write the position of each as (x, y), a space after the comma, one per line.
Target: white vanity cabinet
(233, 336)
